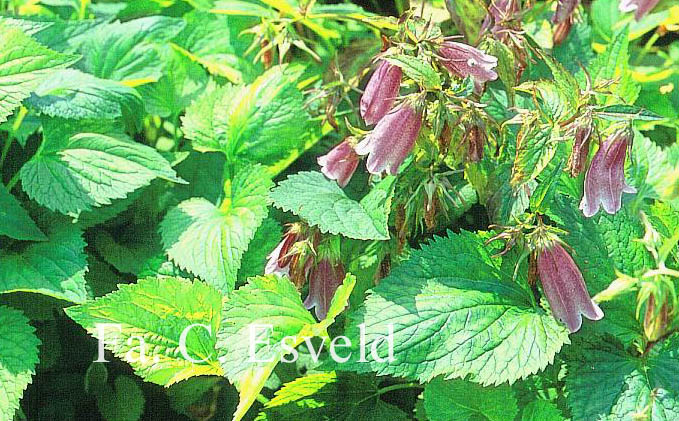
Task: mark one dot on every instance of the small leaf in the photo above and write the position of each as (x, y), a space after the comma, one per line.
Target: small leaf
(418, 70)
(622, 112)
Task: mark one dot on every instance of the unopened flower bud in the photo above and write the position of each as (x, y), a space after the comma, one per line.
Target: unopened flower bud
(324, 280)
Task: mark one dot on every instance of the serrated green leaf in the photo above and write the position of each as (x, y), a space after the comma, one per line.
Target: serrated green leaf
(24, 63)
(535, 148)
(55, 267)
(128, 52)
(455, 400)
(15, 221)
(455, 313)
(321, 202)
(157, 311)
(209, 241)
(267, 309)
(653, 172)
(263, 122)
(86, 170)
(75, 95)
(417, 69)
(340, 299)
(18, 358)
(330, 396)
(606, 382)
(122, 402)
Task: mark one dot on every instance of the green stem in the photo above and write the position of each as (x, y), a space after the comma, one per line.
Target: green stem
(5, 149)
(647, 47)
(399, 386)
(13, 181)
(262, 399)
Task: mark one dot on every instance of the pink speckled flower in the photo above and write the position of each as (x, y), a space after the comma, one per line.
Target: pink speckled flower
(390, 142)
(340, 163)
(639, 7)
(381, 92)
(605, 179)
(463, 60)
(324, 280)
(565, 287)
(279, 259)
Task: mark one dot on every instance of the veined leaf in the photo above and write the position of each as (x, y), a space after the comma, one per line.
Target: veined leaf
(75, 95)
(267, 306)
(209, 241)
(534, 149)
(454, 312)
(24, 63)
(127, 52)
(330, 396)
(321, 202)
(263, 122)
(627, 387)
(18, 358)
(654, 173)
(71, 174)
(55, 267)
(541, 410)
(454, 400)
(158, 311)
(15, 221)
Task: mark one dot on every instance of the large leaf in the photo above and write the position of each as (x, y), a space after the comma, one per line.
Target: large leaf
(18, 358)
(75, 173)
(76, 95)
(454, 400)
(157, 312)
(655, 172)
(606, 382)
(256, 318)
(209, 241)
(330, 396)
(534, 150)
(23, 65)
(15, 221)
(55, 267)
(248, 313)
(262, 122)
(454, 312)
(321, 202)
(128, 52)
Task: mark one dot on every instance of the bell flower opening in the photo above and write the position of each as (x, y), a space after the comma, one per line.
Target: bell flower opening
(463, 60)
(340, 163)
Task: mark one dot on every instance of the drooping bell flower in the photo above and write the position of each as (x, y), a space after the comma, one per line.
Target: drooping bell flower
(565, 287)
(463, 60)
(324, 280)
(605, 179)
(280, 258)
(639, 7)
(381, 92)
(390, 142)
(583, 129)
(340, 163)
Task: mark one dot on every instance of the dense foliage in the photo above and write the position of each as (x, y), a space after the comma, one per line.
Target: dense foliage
(324, 210)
